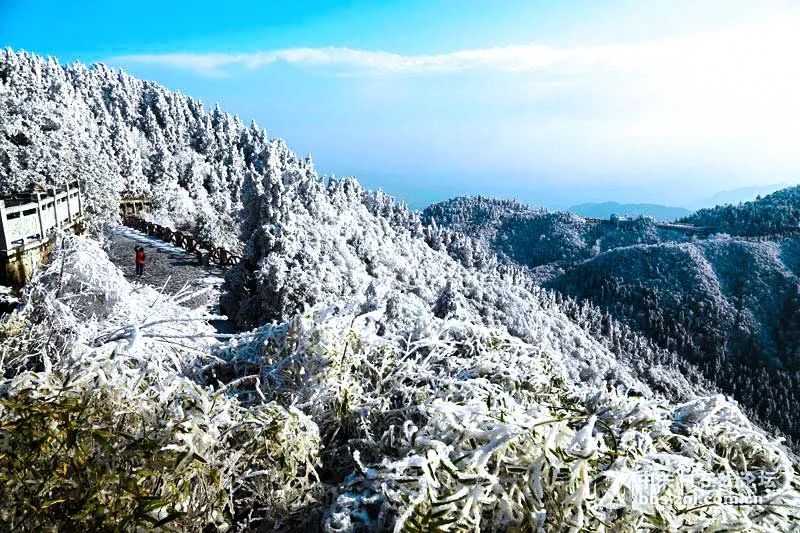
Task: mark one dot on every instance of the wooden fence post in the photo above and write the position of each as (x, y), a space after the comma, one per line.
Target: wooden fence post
(80, 199)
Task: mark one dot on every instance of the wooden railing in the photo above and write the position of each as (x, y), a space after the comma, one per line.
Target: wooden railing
(133, 206)
(206, 252)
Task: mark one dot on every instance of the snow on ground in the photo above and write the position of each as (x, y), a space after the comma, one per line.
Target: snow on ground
(167, 266)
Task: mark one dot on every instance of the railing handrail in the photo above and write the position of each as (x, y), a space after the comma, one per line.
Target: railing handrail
(187, 241)
(28, 219)
(13, 203)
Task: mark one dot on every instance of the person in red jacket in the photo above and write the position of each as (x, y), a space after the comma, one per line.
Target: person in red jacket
(139, 260)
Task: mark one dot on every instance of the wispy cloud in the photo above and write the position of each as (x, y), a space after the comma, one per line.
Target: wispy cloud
(510, 58)
(766, 40)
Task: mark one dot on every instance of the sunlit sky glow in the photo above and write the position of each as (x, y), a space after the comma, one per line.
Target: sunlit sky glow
(660, 101)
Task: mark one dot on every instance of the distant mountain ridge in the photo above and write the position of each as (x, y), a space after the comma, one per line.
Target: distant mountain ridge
(776, 213)
(738, 195)
(606, 209)
(728, 303)
(537, 237)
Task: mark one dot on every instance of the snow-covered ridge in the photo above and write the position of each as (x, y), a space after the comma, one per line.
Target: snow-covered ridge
(539, 238)
(775, 213)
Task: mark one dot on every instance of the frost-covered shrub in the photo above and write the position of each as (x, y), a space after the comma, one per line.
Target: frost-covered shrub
(109, 421)
(96, 287)
(453, 426)
(76, 454)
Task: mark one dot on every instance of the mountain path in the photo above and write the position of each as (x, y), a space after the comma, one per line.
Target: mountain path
(166, 266)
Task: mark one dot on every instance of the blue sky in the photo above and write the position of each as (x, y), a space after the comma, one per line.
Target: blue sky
(554, 103)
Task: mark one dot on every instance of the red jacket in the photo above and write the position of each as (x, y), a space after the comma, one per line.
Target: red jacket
(140, 257)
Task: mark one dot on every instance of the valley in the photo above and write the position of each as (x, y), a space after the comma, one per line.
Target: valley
(727, 302)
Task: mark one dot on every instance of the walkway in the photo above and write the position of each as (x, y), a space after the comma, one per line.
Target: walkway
(166, 266)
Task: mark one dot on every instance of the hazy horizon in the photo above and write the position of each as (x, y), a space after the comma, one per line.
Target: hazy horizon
(667, 103)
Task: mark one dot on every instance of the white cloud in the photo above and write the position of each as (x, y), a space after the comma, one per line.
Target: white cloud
(511, 58)
(767, 40)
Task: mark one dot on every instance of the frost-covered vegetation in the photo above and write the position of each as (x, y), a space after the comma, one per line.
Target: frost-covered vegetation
(729, 305)
(454, 426)
(347, 418)
(389, 374)
(106, 420)
(776, 213)
(120, 136)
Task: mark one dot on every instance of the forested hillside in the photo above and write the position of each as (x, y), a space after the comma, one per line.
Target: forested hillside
(536, 237)
(387, 374)
(120, 135)
(729, 305)
(776, 213)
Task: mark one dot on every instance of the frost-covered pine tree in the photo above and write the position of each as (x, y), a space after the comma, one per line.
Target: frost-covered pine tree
(122, 136)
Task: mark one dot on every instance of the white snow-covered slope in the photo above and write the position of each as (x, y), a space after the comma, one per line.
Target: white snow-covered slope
(349, 417)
